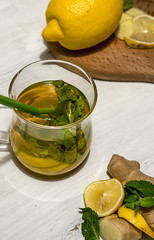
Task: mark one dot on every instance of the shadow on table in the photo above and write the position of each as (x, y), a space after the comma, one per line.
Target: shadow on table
(5, 159)
(46, 55)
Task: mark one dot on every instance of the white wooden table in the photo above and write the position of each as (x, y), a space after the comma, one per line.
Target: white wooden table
(123, 123)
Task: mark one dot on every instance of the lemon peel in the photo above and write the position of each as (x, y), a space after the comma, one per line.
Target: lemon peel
(55, 34)
(136, 219)
(81, 24)
(104, 196)
(133, 43)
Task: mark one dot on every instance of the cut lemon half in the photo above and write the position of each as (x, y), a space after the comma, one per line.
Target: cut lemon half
(125, 28)
(143, 32)
(104, 196)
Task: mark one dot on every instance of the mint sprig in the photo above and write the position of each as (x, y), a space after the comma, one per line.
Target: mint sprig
(90, 226)
(139, 194)
(144, 202)
(144, 188)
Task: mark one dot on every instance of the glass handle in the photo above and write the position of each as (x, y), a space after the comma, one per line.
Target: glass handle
(4, 141)
(4, 138)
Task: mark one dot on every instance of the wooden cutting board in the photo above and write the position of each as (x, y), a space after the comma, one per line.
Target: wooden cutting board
(113, 59)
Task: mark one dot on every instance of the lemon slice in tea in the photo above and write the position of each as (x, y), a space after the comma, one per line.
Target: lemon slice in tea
(104, 196)
(143, 32)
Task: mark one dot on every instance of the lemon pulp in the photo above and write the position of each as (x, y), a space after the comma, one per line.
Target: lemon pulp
(136, 28)
(143, 32)
(104, 196)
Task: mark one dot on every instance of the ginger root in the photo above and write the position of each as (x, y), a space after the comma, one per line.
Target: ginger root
(113, 227)
(125, 171)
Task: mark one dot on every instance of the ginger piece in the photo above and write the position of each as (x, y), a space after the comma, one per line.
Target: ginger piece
(148, 214)
(125, 171)
(136, 219)
(114, 228)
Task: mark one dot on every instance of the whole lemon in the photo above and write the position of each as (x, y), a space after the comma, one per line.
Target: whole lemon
(79, 24)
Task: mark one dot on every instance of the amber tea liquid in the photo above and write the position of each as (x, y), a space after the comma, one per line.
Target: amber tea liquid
(44, 149)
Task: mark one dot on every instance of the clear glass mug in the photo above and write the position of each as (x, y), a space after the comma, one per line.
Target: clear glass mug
(32, 142)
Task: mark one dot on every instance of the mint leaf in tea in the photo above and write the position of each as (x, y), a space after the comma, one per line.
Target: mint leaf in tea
(69, 102)
(50, 150)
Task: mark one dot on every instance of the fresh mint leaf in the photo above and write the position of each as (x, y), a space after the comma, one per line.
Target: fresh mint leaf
(131, 195)
(131, 198)
(144, 188)
(143, 202)
(127, 4)
(90, 226)
(147, 202)
(139, 194)
(133, 205)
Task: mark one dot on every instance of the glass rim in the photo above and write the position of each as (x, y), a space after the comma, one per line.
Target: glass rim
(56, 61)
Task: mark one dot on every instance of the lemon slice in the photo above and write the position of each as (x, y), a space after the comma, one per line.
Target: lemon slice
(104, 196)
(131, 13)
(143, 32)
(126, 24)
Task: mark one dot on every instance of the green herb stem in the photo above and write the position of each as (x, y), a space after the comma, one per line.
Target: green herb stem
(25, 107)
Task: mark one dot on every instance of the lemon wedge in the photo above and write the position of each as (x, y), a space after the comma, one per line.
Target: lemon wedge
(143, 32)
(104, 196)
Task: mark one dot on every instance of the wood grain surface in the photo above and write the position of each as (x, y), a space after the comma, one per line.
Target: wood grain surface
(113, 59)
